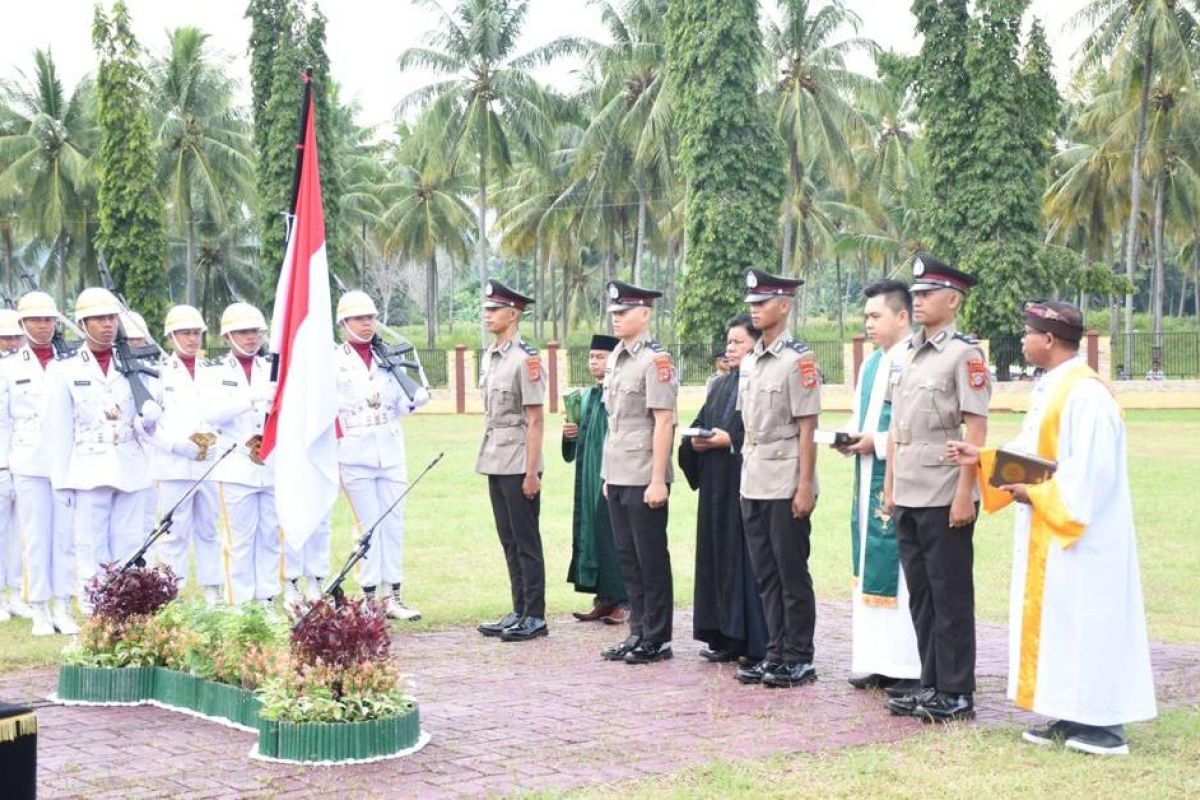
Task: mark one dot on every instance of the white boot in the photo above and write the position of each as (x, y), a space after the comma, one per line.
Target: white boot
(62, 617)
(18, 607)
(42, 626)
(212, 595)
(395, 608)
(312, 588)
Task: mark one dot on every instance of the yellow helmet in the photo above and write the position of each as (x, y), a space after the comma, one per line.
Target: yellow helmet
(183, 318)
(355, 304)
(10, 323)
(95, 302)
(36, 304)
(134, 325)
(242, 317)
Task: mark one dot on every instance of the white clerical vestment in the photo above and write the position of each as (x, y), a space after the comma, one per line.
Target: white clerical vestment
(1077, 628)
(883, 640)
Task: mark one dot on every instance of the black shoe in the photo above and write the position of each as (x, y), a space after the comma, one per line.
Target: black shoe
(649, 653)
(905, 705)
(496, 628)
(528, 628)
(789, 675)
(902, 687)
(718, 656)
(1051, 734)
(618, 651)
(1099, 741)
(748, 660)
(872, 681)
(946, 707)
(755, 673)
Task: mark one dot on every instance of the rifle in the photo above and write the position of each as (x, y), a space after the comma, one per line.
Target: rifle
(131, 361)
(58, 341)
(390, 357)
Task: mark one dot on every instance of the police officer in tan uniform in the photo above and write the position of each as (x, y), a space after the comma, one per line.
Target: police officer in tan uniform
(780, 399)
(936, 388)
(510, 455)
(640, 390)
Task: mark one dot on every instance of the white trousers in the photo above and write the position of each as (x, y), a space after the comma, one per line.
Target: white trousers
(251, 550)
(193, 525)
(11, 572)
(311, 559)
(108, 528)
(47, 536)
(370, 492)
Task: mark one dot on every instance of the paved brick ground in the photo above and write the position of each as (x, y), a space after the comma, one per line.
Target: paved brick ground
(506, 717)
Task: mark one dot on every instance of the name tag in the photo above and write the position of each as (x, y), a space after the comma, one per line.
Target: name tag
(23, 380)
(229, 383)
(83, 383)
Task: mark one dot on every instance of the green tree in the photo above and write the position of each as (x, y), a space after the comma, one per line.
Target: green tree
(728, 152)
(132, 234)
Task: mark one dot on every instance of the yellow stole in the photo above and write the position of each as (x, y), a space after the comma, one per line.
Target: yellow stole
(1050, 520)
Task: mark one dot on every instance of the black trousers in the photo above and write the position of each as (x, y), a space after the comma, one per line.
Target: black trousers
(938, 566)
(517, 524)
(640, 534)
(779, 546)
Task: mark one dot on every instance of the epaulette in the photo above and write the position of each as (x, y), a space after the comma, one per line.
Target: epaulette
(799, 347)
(212, 361)
(529, 349)
(655, 347)
(7, 354)
(966, 337)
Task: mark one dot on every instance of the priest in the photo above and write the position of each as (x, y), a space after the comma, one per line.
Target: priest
(594, 567)
(1078, 652)
(883, 642)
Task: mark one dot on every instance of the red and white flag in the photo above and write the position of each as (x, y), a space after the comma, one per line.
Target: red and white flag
(301, 429)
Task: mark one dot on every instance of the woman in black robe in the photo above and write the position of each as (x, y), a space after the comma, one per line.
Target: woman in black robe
(728, 614)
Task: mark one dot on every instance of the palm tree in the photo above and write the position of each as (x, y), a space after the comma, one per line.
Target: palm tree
(203, 140)
(44, 161)
(484, 92)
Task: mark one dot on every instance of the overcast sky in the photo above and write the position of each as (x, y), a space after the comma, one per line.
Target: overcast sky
(366, 36)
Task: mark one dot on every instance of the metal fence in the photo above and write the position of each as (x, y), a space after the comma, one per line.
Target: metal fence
(694, 362)
(1178, 354)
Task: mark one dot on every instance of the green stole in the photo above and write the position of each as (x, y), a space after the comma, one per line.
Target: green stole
(593, 427)
(881, 567)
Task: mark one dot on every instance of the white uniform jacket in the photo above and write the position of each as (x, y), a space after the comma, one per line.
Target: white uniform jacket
(182, 417)
(91, 432)
(370, 404)
(236, 409)
(22, 411)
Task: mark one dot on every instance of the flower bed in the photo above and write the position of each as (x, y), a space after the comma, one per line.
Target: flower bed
(325, 692)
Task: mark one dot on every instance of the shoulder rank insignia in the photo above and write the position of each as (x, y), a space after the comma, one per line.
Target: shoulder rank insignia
(977, 373)
(800, 347)
(966, 337)
(529, 349)
(655, 347)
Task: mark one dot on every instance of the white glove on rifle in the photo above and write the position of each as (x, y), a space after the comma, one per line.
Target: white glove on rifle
(186, 448)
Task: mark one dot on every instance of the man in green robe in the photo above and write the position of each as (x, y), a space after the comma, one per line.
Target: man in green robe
(594, 567)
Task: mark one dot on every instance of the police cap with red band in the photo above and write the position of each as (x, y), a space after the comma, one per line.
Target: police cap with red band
(624, 296)
(930, 274)
(497, 295)
(765, 286)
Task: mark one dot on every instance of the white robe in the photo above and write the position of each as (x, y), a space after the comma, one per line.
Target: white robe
(883, 640)
(1094, 658)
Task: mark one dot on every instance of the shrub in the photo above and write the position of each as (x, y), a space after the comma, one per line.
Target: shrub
(116, 596)
(354, 632)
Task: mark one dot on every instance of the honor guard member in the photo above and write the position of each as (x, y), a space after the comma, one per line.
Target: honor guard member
(94, 433)
(187, 446)
(511, 458)
(371, 451)
(640, 390)
(43, 513)
(137, 334)
(780, 399)
(11, 339)
(235, 394)
(938, 387)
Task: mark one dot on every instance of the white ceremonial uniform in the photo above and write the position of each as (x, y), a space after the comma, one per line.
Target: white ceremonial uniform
(43, 513)
(94, 437)
(1092, 657)
(194, 524)
(11, 573)
(372, 457)
(236, 408)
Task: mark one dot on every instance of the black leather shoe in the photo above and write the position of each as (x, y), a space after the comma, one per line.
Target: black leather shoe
(872, 681)
(946, 707)
(718, 656)
(618, 651)
(790, 675)
(528, 628)
(1099, 741)
(755, 673)
(496, 628)
(1051, 734)
(905, 705)
(902, 687)
(649, 653)
(748, 660)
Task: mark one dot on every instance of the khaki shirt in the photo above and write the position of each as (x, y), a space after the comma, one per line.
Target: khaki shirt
(638, 380)
(778, 384)
(931, 385)
(511, 379)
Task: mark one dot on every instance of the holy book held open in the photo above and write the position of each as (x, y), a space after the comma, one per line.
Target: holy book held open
(1014, 466)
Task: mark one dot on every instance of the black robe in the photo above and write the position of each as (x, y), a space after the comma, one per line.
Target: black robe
(728, 613)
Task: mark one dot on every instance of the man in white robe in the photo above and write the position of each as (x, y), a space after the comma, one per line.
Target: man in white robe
(884, 643)
(1078, 651)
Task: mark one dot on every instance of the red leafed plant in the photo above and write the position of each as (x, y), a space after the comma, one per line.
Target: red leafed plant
(138, 591)
(340, 636)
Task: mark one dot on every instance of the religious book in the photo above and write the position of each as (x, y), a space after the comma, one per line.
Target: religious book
(573, 403)
(1014, 466)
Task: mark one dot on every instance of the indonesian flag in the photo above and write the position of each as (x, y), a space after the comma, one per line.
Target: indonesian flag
(300, 430)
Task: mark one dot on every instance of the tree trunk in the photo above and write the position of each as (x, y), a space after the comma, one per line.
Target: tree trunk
(1113, 313)
(841, 306)
(61, 255)
(552, 309)
(189, 286)
(671, 282)
(450, 298)
(785, 251)
(1135, 201)
(539, 308)
(431, 300)
(565, 333)
(639, 247)
(1158, 280)
(481, 246)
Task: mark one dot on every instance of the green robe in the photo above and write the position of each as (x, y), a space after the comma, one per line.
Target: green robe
(594, 567)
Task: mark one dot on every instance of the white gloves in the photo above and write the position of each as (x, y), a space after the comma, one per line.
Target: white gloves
(186, 448)
(151, 413)
(421, 399)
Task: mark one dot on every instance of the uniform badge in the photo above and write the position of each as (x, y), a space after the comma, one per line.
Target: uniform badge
(977, 373)
(113, 413)
(666, 372)
(533, 369)
(808, 373)
(374, 400)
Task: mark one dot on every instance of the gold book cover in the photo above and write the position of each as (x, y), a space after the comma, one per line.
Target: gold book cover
(1013, 466)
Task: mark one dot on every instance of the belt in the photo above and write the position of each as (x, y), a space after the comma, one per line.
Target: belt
(366, 419)
(104, 436)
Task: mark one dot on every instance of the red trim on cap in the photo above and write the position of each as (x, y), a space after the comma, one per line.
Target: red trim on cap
(937, 277)
(768, 289)
(634, 301)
